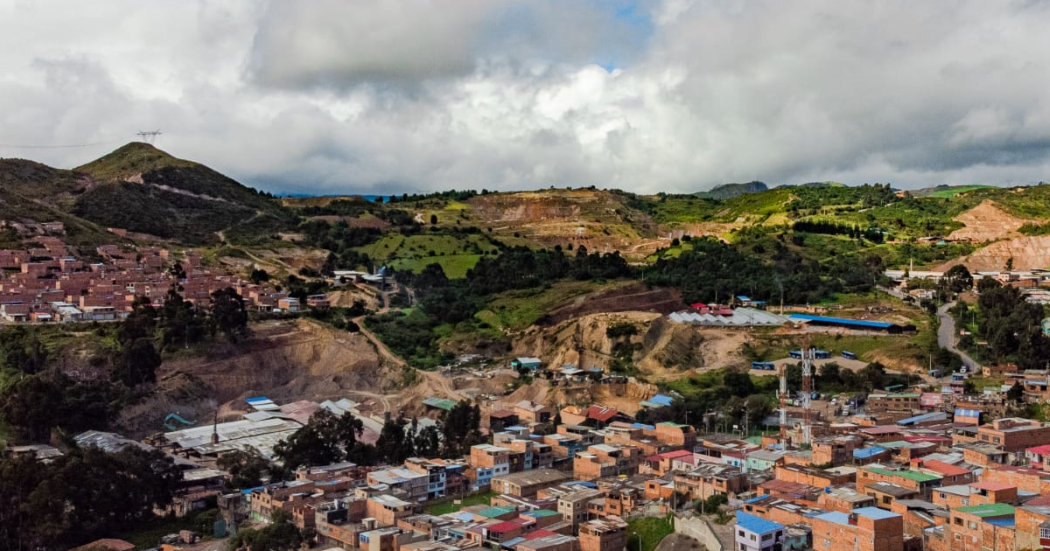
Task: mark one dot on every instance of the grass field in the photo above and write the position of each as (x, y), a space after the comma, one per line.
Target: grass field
(650, 530)
(455, 265)
(514, 310)
(456, 254)
(952, 192)
(451, 507)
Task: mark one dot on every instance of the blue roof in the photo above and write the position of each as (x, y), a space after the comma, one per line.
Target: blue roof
(642, 426)
(933, 416)
(662, 399)
(865, 453)
(755, 524)
(744, 298)
(842, 321)
(759, 498)
(583, 483)
(967, 412)
(875, 513)
(258, 400)
(1008, 522)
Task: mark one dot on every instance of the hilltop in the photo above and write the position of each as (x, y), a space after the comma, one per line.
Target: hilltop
(143, 189)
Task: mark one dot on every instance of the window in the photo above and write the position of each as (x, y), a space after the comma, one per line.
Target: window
(740, 533)
(958, 521)
(753, 538)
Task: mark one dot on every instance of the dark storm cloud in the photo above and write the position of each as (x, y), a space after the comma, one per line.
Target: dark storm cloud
(671, 95)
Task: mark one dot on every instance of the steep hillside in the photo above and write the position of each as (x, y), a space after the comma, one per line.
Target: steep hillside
(597, 219)
(143, 189)
(32, 193)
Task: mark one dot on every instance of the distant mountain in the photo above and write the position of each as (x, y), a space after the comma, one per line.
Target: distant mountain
(729, 191)
(143, 189)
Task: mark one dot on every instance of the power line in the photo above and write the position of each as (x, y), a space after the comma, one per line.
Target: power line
(65, 146)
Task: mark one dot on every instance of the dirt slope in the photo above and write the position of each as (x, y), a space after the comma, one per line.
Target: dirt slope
(986, 222)
(1027, 253)
(664, 349)
(285, 360)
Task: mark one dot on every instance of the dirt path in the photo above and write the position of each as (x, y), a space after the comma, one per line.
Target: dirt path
(440, 382)
(946, 337)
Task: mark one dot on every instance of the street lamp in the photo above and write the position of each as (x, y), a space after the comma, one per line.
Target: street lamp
(639, 538)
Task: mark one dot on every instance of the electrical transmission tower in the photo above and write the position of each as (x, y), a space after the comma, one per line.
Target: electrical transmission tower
(149, 137)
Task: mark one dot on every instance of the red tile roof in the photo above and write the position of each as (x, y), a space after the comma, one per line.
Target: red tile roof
(946, 469)
(1041, 450)
(505, 526)
(541, 533)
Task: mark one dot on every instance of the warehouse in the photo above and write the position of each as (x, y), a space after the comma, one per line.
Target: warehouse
(846, 323)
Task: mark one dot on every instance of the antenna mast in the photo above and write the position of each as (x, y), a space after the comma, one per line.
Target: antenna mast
(783, 408)
(807, 393)
(150, 136)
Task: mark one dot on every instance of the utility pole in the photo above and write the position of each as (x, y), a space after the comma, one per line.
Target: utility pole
(148, 136)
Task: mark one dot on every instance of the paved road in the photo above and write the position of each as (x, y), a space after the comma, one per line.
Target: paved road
(946, 337)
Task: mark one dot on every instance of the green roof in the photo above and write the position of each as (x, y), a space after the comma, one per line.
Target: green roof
(904, 395)
(989, 510)
(671, 424)
(493, 512)
(910, 475)
(440, 403)
(542, 513)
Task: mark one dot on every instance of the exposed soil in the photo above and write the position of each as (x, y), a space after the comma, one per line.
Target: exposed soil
(284, 360)
(986, 222)
(1027, 253)
(635, 297)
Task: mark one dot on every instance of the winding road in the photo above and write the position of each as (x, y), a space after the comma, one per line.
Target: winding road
(946, 337)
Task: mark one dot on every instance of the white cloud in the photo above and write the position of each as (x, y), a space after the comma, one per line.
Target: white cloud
(331, 97)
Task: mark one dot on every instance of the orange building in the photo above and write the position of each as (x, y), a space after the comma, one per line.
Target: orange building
(865, 529)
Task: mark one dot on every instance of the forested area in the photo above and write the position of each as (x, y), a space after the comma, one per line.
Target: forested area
(1009, 327)
(442, 301)
(83, 495)
(713, 271)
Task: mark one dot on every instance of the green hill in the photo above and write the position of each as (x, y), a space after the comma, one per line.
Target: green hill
(729, 191)
(31, 192)
(143, 189)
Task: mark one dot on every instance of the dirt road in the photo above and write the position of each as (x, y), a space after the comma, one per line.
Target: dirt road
(946, 337)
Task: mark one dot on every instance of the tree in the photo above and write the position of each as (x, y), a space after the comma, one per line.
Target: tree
(394, 446)
(279, 535)
(830, 373)
(140, 322)
(227, 309)
(1016, 392)
(958, 279)
(38, 403)
(987, 283)
(738, 383)
(325, 439)
(428, 441)
(460, 429)
(81, 496)
(433, 219)
(246, 468)
(137, 364)
(259, 275)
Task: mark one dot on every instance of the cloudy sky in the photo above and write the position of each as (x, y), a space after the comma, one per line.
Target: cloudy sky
(338, 96)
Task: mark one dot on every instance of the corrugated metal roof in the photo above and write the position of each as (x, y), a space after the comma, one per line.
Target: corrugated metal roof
(755, 524)
(842, 321)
